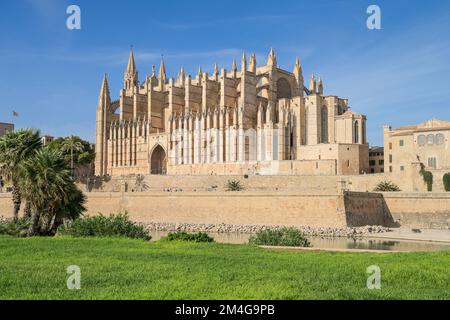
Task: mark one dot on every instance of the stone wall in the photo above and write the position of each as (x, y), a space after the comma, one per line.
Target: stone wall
(419, 210)
(268, 208)
(362, 208)
(252, 182)
(271, 207)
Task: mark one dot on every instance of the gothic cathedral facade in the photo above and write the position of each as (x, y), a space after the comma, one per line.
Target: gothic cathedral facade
(249, 120)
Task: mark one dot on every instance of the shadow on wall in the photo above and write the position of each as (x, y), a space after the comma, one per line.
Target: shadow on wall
(388, 219)
(95, 183)
(367, 208)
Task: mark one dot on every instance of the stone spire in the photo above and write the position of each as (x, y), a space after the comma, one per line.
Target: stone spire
(131, 74)
(312, 84)
(181, 76)
(234, 68)
(320, 86)
(298, 66)
(272, 59)
(131, 67)
(104, 95)
(200, 73)
(102, 128)
(216, 72)
(162, 71)
(216, 69)
(298, 74)
(243, 62)
(252, 67)
(153, 74)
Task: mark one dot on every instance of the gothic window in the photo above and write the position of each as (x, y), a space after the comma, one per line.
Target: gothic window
(356, 132)
(324, 116)
(283, 89)
(432, 162)
(364, 132)
(440, 139)
(430, 139)
(421, 140)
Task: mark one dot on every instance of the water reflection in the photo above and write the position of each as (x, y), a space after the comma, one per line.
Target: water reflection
(334, 243)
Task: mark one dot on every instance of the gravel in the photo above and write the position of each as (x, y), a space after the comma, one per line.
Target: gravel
(349, 232)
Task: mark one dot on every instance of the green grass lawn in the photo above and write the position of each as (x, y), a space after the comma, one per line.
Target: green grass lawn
(35, 268)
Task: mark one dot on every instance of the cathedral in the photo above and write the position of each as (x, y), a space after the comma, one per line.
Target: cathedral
(251, 119)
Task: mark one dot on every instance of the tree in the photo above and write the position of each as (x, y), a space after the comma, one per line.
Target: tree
(385, 186)
(76, 151)
(46, 182)
(72, 144)
(446, 180)
(15, 147)
(234, 185)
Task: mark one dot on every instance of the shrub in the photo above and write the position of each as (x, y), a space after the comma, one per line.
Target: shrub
(115, 225)
(234, 185)
(192, 237)
(291, 237)
(14, 227)
(386, 186)
(427, 178)
(446, 180)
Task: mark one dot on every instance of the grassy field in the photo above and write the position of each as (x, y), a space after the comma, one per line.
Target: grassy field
(35, 268)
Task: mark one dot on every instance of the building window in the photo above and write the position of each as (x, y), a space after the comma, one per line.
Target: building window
(421, 140)
(401, 143)
(390, 168)
(372, 170)
(390, 158)
(432, 162)
(390, 145)
(430, 139)
(348, 163)
(356, 132)
(382, 170)
(402, 168)
(371, 162)
(440, 139)
(381, 162)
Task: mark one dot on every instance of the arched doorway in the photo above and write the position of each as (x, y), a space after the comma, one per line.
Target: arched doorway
(158, 161)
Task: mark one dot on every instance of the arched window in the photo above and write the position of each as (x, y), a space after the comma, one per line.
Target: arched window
(364, 132)
(324, 124)
(430, 139)
(440, 139)
(421, 140)
(356, 134)
(283, 89)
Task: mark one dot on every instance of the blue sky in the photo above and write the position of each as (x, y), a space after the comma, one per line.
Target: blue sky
(51, 76)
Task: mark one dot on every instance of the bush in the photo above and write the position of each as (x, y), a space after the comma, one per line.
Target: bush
(446, 180)
(386, 186)
(291, 237)
(14, 227)
(234, 185)
(192, 237)
(102, 226)
(427, 178)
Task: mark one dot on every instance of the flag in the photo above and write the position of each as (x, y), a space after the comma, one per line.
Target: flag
(15, 114)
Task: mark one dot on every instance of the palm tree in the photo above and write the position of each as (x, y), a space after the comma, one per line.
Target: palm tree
(15, 147)
(72, 144)
(46, 182)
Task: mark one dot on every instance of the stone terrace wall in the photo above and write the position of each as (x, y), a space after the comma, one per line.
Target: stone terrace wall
(412, 210)
(363, 208)
(289, 183)
(419, 210)
(264, 208)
